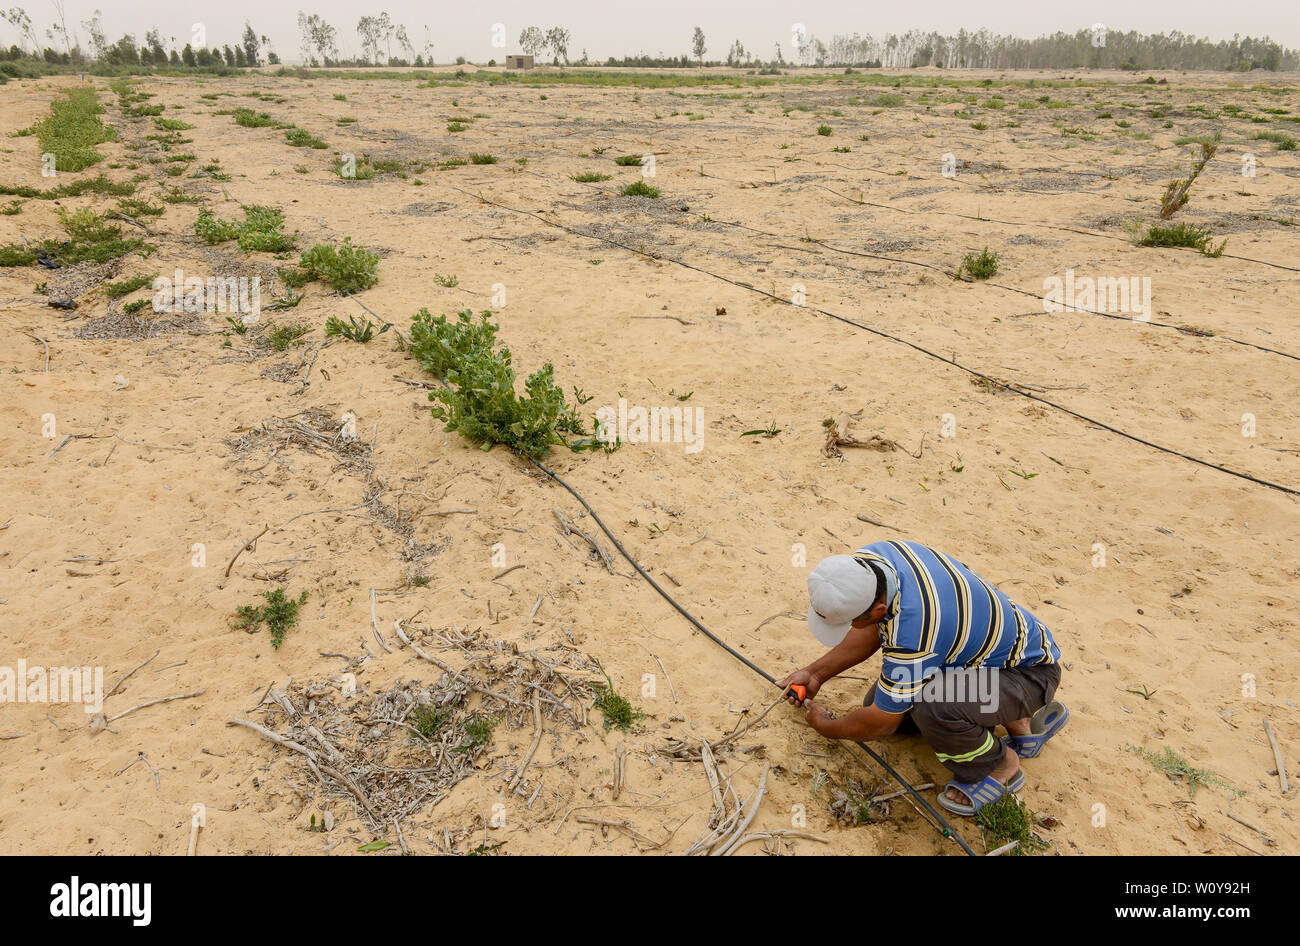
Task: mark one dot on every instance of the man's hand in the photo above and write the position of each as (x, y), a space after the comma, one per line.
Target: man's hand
(818, 717)
(803, 678)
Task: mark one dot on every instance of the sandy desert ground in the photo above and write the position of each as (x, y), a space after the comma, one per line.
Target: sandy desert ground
(1180, 637)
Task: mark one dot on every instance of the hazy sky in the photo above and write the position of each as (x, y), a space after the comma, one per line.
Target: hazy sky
(623, 28)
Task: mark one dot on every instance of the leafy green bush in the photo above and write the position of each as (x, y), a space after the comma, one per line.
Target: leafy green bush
(628, 160)
(251, 119)
(116, 290)
(1187, 235)
(347, 269)
(590, 177)
(640, 189)
(72, 130)
(302, 138)
(481, 402)
(482, 159)
(279, 614)
(261, 231)
(981, 266)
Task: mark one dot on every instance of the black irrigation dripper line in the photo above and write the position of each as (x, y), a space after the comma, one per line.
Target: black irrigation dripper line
(1024, 292)
(1047, 226)
(902, 341)
(939, 822)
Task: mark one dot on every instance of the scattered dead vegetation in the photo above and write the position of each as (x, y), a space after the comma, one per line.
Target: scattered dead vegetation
(393, 756)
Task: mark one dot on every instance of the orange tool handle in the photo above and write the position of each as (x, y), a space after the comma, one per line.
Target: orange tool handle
(800, 691)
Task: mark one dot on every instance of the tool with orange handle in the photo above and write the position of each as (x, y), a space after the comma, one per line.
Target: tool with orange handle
(800, 691)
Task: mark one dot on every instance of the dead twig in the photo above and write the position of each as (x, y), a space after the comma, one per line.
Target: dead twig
(128, 676)
(246, 547)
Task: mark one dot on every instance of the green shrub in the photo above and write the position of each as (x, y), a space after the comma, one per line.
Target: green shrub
(72, 130)
(348, 268)
(981, 266)
(1179, 235)
(640, 189)
(824, 130)
(590, 177)
(90, 238)
(1283, 141)
(116, 290)
(251, 119)
(14, 255)
(481, 402)
(302, 138)
(482, 159)
(628, 160)
(279, 614)
(261, 231)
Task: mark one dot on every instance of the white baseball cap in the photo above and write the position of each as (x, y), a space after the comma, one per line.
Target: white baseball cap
(840, 589)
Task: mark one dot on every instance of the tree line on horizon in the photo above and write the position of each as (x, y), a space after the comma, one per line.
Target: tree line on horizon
(319, 45)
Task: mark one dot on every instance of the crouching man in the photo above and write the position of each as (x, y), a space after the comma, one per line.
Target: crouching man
(958, 659)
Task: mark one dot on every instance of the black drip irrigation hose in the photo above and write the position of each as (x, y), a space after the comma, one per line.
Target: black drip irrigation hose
(1048, 226)
(902, 341)
(1025, 292)
(939, 822)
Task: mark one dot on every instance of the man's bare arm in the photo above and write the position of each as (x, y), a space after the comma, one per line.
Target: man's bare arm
(858, 646)
(868, 722)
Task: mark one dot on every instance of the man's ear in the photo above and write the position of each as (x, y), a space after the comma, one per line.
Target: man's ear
(878, 611)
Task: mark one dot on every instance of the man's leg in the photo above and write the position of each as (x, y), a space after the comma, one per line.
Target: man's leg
(958, 710)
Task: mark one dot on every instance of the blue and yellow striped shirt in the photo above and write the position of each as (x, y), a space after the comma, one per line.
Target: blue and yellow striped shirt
(940, 615)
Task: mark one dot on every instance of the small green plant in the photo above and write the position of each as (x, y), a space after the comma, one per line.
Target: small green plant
(279, 613)
(824, 130)
(139, 207)
(283, 337)
(428, 720)
(340, 97)
(116, 290)
(175, 195)
(590, 177)
(628, 160)
(1176, 768)
(478, 732)
(770, 431)
(1180, 235)
(1176, 192)
(90, 238)
(248, 118)
(1283, 141)
(348, 269)
(1009, 819)
(1144, 692)
(456, 126)
(302, 138)
(979, 266)
(619, 713)
(356, 331)
(482, 159)
(262, 230)
(640, 189)
(131, 308)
